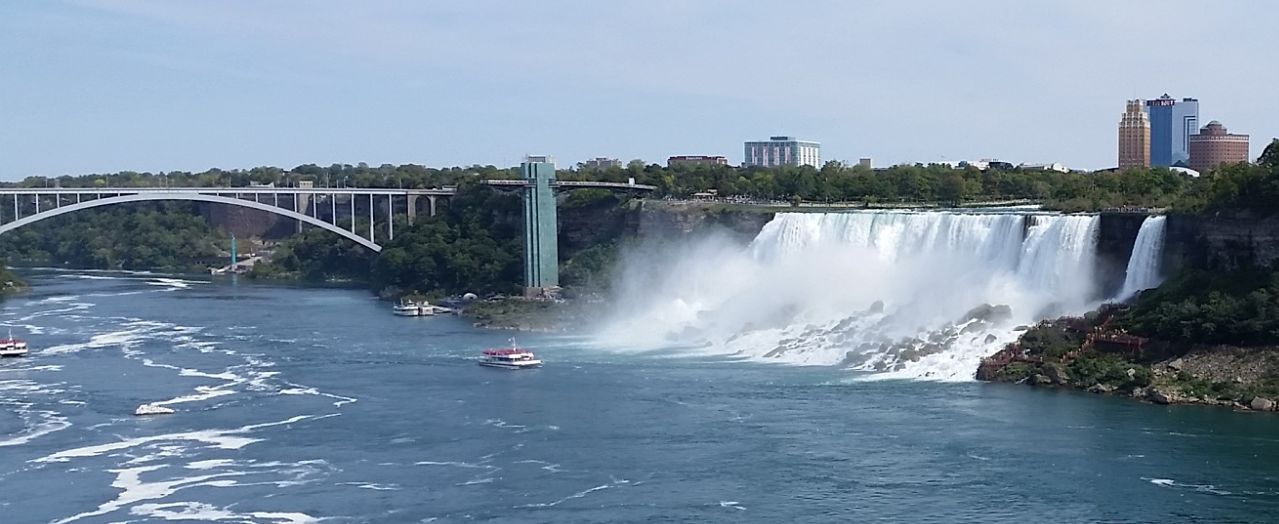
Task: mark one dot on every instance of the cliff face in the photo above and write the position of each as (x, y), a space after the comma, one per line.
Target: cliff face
(1116, 236)
(658, 219)
(1221, 242)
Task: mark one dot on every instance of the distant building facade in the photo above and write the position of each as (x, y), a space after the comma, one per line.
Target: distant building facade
(1134, 137)
(866, 163)
(696, 160)
(782, 151)
(602, 163)
(1214, 146)
(1172, 122)
(1055, 166)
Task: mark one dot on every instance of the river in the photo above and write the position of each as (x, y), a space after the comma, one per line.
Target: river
(298, 405)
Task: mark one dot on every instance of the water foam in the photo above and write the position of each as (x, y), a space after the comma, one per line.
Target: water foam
(904, 294)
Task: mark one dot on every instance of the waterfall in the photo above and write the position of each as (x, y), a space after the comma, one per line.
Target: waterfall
(1144, 263)
(897, 294)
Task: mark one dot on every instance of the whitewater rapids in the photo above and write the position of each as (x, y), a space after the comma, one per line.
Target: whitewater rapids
(918, 295)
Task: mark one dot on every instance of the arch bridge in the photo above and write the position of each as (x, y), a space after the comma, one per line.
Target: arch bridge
(323, 207)
(320, 207)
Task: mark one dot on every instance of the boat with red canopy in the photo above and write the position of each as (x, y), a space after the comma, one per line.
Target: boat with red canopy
(514, 357)
(12, 347)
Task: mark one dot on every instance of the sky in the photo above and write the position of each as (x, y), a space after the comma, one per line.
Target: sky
(94, 86)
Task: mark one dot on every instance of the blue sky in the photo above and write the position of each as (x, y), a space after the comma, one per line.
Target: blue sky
(107, 85)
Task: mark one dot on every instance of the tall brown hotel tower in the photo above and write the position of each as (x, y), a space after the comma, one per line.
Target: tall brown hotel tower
(1134, 137)
(1213, 146)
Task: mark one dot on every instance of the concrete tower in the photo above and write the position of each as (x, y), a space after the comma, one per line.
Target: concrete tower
(541, 232)
(1134, 137)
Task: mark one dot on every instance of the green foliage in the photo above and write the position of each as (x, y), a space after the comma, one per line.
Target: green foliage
(316, 256)
(1050, 340)
(1111, 370)
(161, 236)
(589, 198)
(1015, 372)
(589, 268)
(1238, 308)
(475, 246)
(9, 282)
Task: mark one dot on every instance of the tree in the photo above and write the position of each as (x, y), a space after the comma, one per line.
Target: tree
(1270, 157)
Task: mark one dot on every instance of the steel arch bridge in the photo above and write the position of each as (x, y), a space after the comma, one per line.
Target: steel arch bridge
(303, 204)
(300, 204)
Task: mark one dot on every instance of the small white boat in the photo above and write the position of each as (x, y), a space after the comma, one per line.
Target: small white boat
(514, 357)
(12, 347)
(152, 409)
(407, 309)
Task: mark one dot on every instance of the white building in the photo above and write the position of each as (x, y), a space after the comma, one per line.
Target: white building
(782, 151)
(1055, 166)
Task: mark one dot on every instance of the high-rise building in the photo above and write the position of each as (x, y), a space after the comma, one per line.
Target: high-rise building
(1214, 146)
(782, 151)
(696, 160)
(1171, 124)
(1134, 137)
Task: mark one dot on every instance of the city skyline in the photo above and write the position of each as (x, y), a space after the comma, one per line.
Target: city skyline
(144, 85)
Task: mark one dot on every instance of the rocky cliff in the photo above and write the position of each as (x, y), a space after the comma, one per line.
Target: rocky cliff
(657, 218)
(1117, 233)
(1221, 242)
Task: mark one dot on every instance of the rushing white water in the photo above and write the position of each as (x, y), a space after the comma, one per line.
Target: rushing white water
(905, 294)
(1144, 263)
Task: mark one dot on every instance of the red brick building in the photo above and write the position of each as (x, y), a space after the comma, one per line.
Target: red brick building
(696, 160)
(1214, 146)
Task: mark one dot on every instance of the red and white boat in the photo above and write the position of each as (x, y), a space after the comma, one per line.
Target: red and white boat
(514, 357)
(12, 347)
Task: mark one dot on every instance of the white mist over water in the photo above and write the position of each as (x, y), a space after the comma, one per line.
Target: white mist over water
(905, 294)
(1144, 263)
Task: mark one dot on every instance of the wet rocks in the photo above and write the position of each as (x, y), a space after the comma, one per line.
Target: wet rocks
(1056, 373)
(1262, 404)
(1101, 389)
(989, 313)
(1160, 396)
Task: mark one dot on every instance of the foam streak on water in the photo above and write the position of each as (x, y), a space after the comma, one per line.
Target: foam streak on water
(1144, 263)
(903, 294)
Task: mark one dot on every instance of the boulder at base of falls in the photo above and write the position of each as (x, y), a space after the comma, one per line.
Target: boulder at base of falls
(1101, 389)
(1262, 404)
(1159, 396)
(1057, 373)
(988, 313)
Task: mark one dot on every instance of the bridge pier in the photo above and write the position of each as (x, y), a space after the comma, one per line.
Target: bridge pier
(302, 200)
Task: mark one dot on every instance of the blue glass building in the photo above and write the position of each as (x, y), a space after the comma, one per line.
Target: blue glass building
(1171, 124)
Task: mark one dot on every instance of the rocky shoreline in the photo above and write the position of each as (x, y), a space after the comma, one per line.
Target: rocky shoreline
(1073, 354)
(518, 314)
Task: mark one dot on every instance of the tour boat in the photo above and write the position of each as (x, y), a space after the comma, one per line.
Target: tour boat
(12, 347)
(514, 357)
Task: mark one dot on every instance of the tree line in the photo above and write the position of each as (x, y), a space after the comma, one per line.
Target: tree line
(833, 182)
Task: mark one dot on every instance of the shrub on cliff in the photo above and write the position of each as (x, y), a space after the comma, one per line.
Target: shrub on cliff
(1051, 340)
(1199, 307)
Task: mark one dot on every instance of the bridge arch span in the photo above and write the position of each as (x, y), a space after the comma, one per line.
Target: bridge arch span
(190, 197)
